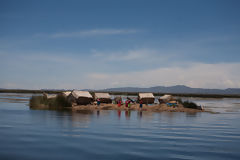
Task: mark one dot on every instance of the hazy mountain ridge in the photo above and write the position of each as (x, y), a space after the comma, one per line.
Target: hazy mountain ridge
(178, 89)
(175, 89)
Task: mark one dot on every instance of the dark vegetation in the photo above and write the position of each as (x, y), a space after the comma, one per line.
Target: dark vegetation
(41, 102)
(188, 104)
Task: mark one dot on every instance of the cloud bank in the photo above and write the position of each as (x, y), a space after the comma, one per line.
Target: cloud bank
(222, 75)
(136, 68)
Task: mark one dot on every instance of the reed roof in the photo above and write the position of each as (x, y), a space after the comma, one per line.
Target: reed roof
(166, 97)
(67, 93)
(102, 95)
(78, 94)
(146, 95)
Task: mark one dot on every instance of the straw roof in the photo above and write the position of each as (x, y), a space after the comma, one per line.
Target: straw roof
(102, 95)
(166, 97)
(49, 96)
(78, 94)
(66, 93)
(145, 95)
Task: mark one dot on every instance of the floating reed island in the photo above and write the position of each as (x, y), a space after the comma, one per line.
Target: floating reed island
(83, 100)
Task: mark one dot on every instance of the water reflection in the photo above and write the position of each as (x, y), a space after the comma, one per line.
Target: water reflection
(191, 114)
(85, 111)
(127, 114)
(83, 118)
(148, 116)
(140, 114)
(98, 113)
(119, 113)
(79, 119)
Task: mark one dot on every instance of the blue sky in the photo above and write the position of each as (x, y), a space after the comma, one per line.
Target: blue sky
(103, 44)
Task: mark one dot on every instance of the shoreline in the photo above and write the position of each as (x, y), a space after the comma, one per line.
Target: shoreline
(135, 107)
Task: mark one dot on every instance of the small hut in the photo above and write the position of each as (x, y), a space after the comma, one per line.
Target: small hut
(165, 99)
(80, 97)
(146, 98)
(104, 97)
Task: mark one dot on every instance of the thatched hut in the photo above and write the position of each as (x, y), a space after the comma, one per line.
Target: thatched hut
(104, 97)
(80, 97)
(165, 99)
(146, 98)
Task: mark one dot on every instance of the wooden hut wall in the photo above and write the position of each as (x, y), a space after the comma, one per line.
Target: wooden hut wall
(104, 97)
(148, 100)
(105, 100)
(71, 99)
(84, 100)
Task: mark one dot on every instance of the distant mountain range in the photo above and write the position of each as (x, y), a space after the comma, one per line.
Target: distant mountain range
(175, 89)
(178, 89)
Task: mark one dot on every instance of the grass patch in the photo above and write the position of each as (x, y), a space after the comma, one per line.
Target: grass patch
(41, 102)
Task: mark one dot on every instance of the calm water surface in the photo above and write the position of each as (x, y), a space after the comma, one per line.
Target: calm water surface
(36, 134)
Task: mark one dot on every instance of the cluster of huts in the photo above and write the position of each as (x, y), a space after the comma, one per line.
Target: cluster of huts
(84, 98)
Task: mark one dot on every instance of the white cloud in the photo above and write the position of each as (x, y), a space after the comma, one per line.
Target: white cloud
(87, 33)
(138, 54)
(222, 75)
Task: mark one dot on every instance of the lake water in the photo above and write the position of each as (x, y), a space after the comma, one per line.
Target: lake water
(39, 134)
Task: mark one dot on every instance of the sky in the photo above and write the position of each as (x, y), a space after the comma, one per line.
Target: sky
(92, 44)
